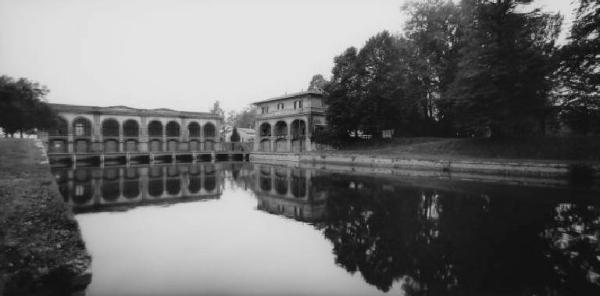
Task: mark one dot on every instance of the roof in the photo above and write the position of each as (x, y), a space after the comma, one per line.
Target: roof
(125, 110)
(293, 95)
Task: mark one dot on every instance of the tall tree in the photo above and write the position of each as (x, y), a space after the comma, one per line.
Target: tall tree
(579, 88)
(317, 83)
(23, 106)
(501, 85)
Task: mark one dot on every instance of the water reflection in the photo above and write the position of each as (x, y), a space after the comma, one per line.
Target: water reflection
(423, 236)
(109, 188)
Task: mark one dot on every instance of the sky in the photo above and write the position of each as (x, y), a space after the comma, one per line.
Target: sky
(186, 54)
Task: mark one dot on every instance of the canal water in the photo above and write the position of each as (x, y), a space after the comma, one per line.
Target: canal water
(249, 229)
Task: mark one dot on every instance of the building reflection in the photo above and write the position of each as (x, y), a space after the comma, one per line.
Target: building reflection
(111, 188)
(288, 192)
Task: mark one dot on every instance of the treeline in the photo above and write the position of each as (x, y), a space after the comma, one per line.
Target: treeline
(471, 68)
(23, 107)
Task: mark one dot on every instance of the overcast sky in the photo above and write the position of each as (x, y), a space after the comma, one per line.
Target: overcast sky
(185, 54)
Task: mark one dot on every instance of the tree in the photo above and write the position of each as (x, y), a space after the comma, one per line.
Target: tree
(501, 84)
(434, 31)
(245, 118)
(578, 75)
(235, 136)
(23, 107)
(317, 83)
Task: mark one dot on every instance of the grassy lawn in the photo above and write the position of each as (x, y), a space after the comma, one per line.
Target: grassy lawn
(546, 148)
(40, 248)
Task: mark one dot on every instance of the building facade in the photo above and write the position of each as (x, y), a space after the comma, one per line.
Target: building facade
(121, 129)
(286, 123)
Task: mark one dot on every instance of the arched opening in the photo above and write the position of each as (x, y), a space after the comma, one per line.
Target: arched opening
(131, 188)
(194, 129)
(298, 130)
(195, 184)
(281, 129)
(110, 128)
(209, 130)
(61, 129)
(131, 128)
(82, 127)
(265, 179)
(173, 186)
(210, 179)
(281, 184)
(82, 192)
(265, 130)
(173, 129)
(155, 129)
(298, 186)
(110, 190)
(155, 181)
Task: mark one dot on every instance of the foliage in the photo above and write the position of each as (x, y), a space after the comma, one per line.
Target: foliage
(235, 136)
(317, 83)
(245, 118)
(578, 76)
(23, 107)
(501, 85)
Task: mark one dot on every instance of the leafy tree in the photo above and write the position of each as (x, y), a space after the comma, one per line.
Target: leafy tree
(23, 107)
(434, 29)
(501, 85)
(235, 136)
(245, 118)
(579, 78)
(317, 83)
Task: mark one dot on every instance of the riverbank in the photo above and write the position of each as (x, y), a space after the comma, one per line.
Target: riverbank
(41, 249)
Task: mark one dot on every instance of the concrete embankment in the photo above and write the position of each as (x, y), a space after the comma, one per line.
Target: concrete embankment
(525, 171)
(41, 249)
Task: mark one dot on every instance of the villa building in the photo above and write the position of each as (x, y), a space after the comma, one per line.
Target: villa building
(286, 123)
(89, 129)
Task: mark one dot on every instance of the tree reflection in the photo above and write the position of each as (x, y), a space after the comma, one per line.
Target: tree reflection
(444, 242)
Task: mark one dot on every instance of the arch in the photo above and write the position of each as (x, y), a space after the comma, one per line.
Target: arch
(173, 186)
(155, 187)
(155, 129)
(298, 186)
(210, 179)
(110, 128)
(131, 188)
(265, 129)
(110, 190)
(82, 127)
(82, 192)
(265, 179)
(61, 129)
(195, 184)
(209, 130)
(173, 129)
(298, 128)
(131, 128)
(281, 129)
(194, 129)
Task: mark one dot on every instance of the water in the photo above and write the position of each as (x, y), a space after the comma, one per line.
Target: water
(239, 228)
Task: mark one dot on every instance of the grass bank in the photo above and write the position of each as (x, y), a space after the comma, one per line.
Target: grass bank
(572, 149)
(41, 250)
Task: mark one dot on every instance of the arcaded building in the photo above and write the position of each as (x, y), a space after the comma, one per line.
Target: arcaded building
(90, 129)
(286, 123)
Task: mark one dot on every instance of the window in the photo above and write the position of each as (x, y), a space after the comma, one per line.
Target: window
(280, 106)
(79, 129)
(264, 110)
(298, 104)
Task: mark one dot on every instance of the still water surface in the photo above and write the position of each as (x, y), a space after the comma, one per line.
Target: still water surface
(240, 228)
